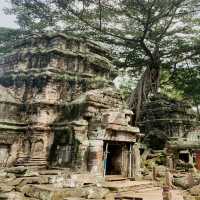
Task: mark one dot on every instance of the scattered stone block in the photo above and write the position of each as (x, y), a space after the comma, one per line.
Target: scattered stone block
(195, 191)
(184, 182)
(49, 192)
(50, 172)
(5, 188)
(97, 193)
(16, 170)
(31, 173)
(85, 179)
(12, 196)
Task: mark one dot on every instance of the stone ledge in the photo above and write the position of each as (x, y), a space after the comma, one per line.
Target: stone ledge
(128, 129)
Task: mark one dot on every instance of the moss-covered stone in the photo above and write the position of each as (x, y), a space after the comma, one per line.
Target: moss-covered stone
(163, 118)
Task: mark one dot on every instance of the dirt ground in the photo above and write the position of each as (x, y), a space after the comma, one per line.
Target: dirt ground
(143, 189)
(154, 194)
(157, 195)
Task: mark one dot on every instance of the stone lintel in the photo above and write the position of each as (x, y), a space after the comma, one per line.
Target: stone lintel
(120, 137)
(8, 139)
(128, 129)
(181, 145)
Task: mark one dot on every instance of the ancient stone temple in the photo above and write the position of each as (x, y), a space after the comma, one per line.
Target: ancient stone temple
(164, 118)
(172, 125)
(60, 108)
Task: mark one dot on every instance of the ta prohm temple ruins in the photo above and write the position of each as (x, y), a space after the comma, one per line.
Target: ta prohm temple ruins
(59, 108)
(66, 133)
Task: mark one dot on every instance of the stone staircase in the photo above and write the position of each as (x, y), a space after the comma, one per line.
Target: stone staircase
(34, 161)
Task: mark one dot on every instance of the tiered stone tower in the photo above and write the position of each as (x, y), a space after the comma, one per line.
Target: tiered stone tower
(59, 106)
(172, 125)
(164, 119)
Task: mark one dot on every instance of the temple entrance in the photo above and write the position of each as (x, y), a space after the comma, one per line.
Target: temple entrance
(116, 158)
(184, 156)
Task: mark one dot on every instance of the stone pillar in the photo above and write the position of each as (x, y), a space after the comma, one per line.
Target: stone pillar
(80, 129)
(136, 156)
(170, 163)
(95, 157)
(24, 150)
(168, 179)
(39, 146)
(191, 159)
(83, 148)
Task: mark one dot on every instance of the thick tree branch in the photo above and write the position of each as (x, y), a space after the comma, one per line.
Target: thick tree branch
(103, 30)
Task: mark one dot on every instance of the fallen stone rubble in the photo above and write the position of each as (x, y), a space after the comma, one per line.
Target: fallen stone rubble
(21, 183)
(25, 183)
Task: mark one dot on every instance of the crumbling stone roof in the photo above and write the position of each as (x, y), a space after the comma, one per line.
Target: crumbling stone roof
(37, 37)
(53, 45)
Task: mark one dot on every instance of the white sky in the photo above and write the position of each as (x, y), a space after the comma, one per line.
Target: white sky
(6, 20)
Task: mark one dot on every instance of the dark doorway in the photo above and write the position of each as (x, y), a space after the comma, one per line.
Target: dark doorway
(184, 157)
(114, 159)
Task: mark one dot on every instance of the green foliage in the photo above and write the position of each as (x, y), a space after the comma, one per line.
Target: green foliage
(32, 15)
(188, 81)
(183, 84)
(149, 33)
(161, 160)
(8, 37)
(126, 88)
(126, 83)
(169, 89)
(154, 34)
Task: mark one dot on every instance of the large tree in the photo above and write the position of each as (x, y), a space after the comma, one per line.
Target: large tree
(184, 84)
(149, 34)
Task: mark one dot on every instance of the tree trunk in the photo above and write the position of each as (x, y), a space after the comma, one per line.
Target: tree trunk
(198, 112)
(147, 85)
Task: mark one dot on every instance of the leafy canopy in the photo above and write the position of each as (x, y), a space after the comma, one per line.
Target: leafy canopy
(154, 34)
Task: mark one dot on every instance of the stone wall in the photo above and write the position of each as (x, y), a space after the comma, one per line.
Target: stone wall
(37, 83)
(164, 118)
(57, 102)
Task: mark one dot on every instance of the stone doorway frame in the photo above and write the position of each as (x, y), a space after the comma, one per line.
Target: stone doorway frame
(127, 157)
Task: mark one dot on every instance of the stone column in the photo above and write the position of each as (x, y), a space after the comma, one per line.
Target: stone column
(191, 158)
(170, 163)
(80, 129)
(95, 157)
(136, 156)
(83, 148)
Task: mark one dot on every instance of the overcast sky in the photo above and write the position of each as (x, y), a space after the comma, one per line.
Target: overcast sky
(6, 20)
